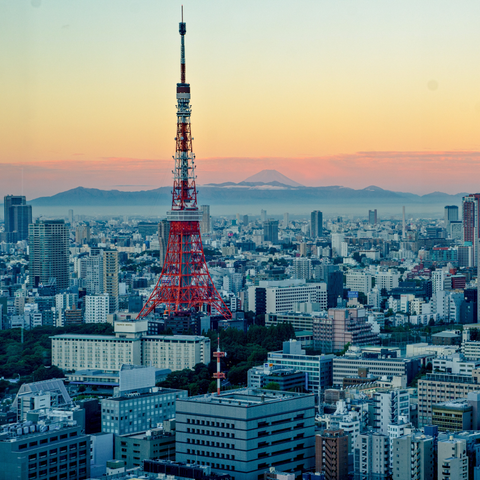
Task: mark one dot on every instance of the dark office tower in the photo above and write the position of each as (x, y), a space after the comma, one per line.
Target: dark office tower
(18, 215)
(48, 242)
(372, 217)
(163, 232)
(451, 215)
(316, 224)
(110, 278)
(270, 231)
(471, 220)
(245, 220)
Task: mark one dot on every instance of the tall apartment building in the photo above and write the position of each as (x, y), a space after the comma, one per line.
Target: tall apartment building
(471, 221)
(91, 273)
(389, 407)
(452, 460)
(281, 296)
(437, 388)
(139, 412)
(130, 345)
(110, 278)
(342, 326)
(413, 457)
(17, 217)
(302, 268)
(371, 457)
(205, 223)
(163, 234)
(82, 234)
(372, 217)
(270, 231)
(331, 454)
(245, 432)
(316, 224)
(48, 253)
(263, 216)
(96, 308)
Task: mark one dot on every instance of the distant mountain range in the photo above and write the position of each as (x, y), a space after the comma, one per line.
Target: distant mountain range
(249, 193)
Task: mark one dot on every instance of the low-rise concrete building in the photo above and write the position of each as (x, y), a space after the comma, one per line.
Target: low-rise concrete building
(154, 444)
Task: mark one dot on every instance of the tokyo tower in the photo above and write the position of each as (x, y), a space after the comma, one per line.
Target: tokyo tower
(184, 285)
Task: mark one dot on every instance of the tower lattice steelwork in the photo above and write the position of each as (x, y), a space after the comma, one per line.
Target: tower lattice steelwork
(184, 284)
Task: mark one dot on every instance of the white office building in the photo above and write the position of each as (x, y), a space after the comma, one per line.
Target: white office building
(358, 281)
(281, 296)
(387, 280)
(130, 345)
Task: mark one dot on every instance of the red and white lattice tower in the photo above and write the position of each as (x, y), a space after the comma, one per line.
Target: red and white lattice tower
(184, 285)
(219, 375)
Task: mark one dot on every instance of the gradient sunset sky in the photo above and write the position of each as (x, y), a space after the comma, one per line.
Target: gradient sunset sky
(328, 92)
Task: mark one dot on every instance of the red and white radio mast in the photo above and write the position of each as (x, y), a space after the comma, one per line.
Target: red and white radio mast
(184, 284)
(218, 375)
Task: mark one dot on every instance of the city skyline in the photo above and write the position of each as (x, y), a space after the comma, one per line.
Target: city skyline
(351, 94)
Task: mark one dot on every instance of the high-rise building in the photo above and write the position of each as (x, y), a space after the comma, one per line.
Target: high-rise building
(331, 454)
(244, 432)
(302, 268)
(270, 231)
(205, 224)
(82, 234)
(389, 407)
(91, 273)
(372, 217)
(48, 253)
(245, 220)
(451, 215)
(286, 220)
(263, 216)
(110, 278)
(316, 224)
(163, 232)
(471, 220)
(17, 216)
(70, 217)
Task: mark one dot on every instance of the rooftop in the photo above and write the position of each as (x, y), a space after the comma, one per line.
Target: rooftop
(459, 404)
(155, 391)
(247, 397)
